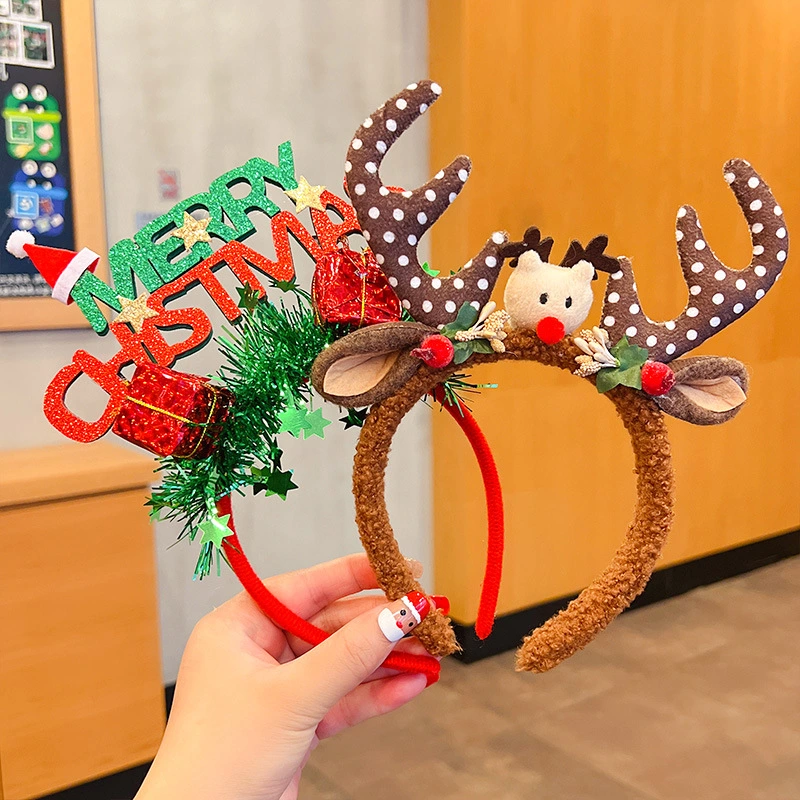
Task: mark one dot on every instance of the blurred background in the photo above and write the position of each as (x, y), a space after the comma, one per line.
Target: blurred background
(581, 117)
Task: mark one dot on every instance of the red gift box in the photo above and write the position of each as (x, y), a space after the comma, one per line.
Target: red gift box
(350, 288)
(172, 413)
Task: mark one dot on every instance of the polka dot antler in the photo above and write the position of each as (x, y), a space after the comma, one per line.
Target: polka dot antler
(718, 295)
(626, 359)
(394, 222)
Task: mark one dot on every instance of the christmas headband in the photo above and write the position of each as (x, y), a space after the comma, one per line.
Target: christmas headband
(381, 331)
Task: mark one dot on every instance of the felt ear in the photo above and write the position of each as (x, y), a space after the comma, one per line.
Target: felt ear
(370, 364)
(708, 390)
(530, 259)
(584, 270)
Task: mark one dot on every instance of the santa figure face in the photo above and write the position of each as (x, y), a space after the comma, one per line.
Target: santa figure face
(402, 616)
(404, 620)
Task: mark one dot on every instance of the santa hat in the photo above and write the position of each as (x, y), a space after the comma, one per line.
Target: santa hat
(60, 268)
(417, 604)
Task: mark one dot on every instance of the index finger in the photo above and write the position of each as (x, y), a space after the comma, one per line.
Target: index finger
(305, 592)
(308, 591)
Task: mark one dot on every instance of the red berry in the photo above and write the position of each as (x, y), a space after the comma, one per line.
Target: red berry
(550, 330)
(657, 378)
(435, 350)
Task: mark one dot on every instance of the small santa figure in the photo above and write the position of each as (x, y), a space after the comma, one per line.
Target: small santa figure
(60, 268)
(398, 619)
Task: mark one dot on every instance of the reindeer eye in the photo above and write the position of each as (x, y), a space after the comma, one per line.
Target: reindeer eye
(568, 302)
(543, 298)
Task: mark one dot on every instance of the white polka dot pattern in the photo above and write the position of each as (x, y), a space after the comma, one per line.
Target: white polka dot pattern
(718, 294)
(395, 221)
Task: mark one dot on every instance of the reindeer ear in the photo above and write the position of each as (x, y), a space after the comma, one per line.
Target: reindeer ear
(708, 390)
(368, 365)
(530, 259)
(584, 270)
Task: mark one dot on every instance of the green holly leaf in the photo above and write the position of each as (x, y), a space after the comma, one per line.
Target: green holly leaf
(631, 358)
(481, 346)
(355, 418)
(606, 380)
(467, 316)
(432, 272)
(248, 297)
(461, 352)
(628, 354)
(214, 530)
(315, 424)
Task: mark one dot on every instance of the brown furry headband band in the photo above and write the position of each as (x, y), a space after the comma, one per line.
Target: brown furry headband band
(632, 358)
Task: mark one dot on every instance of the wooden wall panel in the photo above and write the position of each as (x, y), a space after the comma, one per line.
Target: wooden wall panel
(585, 117)
(81, 693)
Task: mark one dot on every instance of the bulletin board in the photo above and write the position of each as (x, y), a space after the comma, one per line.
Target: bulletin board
(50, 162)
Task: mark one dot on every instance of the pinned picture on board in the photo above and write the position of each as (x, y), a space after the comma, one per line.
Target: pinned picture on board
(10, 41)
(37, 45)
(26, 10)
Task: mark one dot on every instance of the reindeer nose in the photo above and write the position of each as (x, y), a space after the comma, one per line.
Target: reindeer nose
(550, 330)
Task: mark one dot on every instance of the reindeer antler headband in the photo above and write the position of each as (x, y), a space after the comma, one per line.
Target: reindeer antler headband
(379, 332)
(544, 301)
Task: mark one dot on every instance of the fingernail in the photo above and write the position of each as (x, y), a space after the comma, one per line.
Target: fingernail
(442, 602)
(416, 567)
(401, 617)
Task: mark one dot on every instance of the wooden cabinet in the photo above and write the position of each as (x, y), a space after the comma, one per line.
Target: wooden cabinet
(81, 693)
(583, 117)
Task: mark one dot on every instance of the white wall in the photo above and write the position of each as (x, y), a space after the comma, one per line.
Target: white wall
(201, 86)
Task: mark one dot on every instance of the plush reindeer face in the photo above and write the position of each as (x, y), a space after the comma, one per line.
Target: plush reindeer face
(637, 361)
(537, 290)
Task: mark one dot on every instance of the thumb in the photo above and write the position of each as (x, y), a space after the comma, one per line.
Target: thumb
(335, 667)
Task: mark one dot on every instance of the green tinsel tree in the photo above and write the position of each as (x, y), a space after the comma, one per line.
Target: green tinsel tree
(267, 360)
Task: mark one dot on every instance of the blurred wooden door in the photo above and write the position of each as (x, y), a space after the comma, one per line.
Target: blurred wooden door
(584, 117)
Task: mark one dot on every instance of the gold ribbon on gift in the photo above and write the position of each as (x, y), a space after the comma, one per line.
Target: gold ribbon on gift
(205, 425)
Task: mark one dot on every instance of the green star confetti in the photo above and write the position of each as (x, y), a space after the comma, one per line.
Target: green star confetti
(284, 286)
(248, 298)
(277, 482)
(267, 356)
(315, 424)
(214, 530)
(355, 418)
(293, 420)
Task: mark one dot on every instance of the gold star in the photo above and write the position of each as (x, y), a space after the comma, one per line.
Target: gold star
(306, 196)
(193, 230)
(135, 312)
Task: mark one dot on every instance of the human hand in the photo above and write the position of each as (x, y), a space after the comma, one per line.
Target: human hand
(252, 701)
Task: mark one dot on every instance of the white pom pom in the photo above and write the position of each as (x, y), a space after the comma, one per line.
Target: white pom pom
(17, 241)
